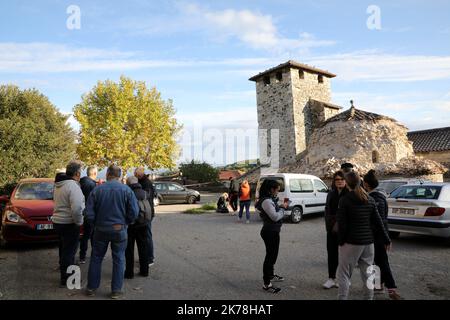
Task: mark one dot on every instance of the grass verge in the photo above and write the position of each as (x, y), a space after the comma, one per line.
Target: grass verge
(206, 208)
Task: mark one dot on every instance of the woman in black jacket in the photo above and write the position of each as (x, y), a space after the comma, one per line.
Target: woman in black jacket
(381, 256)
(222, 204)
(272, 216)
(357, 219)
(338, 189)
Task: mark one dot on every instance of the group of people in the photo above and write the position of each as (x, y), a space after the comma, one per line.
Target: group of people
(120, 215)
(111, 214)
(241, 192)
(357, 232)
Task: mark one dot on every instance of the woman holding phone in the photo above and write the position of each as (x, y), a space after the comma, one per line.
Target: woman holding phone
(272, 216)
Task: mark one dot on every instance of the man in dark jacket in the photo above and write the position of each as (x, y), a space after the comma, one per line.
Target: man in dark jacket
(87, 184)
(381, 256)
(137, 232)
(148, 187)
(234, 193)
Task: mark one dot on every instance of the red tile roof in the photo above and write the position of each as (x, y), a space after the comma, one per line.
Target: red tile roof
(226, 174)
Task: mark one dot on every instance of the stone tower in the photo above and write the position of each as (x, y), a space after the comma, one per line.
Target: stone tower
(293, 98)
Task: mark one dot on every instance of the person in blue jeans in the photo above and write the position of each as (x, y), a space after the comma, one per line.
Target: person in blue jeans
(244, 200)
(111, 207)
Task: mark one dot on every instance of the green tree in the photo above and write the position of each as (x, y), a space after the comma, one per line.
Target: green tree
(35, 138)
(199, 171)
(128, 124)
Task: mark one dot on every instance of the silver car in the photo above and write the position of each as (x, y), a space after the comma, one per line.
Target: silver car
(391, 184)
(420, 209)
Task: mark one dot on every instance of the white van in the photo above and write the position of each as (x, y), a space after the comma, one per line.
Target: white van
(306, 193)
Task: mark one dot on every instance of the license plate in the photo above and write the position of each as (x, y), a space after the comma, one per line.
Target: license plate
(403, 211)
(47, 226)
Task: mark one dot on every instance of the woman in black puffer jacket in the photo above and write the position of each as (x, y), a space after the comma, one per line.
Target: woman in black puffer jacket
(357, 220)
(338, 190)
(381, 256)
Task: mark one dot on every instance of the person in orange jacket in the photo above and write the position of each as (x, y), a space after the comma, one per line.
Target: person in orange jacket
(244, 200)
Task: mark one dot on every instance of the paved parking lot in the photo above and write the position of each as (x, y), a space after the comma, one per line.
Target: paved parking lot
(212, 256)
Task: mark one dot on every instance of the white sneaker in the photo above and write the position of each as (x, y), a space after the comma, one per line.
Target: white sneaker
(330, 283)
(248, 221)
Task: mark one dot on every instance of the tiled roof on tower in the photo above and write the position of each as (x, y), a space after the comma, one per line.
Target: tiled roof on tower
(296, 65)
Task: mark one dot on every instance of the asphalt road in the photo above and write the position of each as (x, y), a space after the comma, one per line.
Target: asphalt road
(212, 256)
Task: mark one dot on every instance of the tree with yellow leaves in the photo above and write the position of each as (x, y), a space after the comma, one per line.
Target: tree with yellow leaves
(128, 124)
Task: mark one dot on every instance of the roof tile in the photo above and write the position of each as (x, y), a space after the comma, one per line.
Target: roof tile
(430, 140)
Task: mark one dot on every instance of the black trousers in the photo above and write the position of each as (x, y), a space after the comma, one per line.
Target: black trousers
(382, 261)
(272, 242)
(234, 201)
(139, 235)
(87, 234)
(333, 254)
(69, 238)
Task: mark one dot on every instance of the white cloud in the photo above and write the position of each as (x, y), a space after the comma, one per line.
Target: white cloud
(251, 28)
(254, 29)
(51, 57)
(416, 110)
(373, 66)
(384, 67)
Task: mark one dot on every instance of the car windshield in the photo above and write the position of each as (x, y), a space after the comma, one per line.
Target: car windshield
(34, 191)
(301, 185)
(417, 192)
(175, 187)
(389, 186)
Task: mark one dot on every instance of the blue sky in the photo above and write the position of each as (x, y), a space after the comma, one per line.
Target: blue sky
(201, 54)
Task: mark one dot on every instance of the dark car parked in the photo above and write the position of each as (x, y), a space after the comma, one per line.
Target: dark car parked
(171, 192)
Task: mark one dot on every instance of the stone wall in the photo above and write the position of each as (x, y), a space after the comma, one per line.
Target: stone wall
(360, 142)
(282, 105)
(303, 90)
(318, 112)
(439, 156)
(409, 167)
(275, 111)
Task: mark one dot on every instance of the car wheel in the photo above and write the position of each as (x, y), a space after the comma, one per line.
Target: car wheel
(192, 200)
(394, 234)
(160, 200)
(296, 214)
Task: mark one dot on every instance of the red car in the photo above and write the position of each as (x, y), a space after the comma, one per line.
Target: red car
(27, 214)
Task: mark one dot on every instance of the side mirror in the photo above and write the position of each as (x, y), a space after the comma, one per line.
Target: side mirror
(4, 198)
